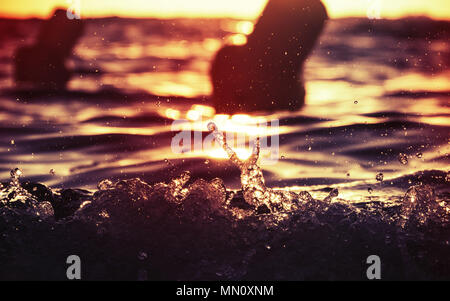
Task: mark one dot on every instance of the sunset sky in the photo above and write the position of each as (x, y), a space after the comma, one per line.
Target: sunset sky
(438, 9)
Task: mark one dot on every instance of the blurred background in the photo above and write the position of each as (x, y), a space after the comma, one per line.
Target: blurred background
(377, 93)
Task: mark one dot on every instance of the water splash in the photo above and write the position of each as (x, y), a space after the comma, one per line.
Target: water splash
(333, 193)
(15, 173)
(403, 158)
(379, 177)
(252, 180)
(177, 188)
(155, 223)
(15, 196)
(420, 207)
(105, 184)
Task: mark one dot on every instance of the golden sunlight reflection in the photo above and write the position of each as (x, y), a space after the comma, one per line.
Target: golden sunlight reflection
(212, 45)
(251, 126)
(183, 83)
(199, 111)
(172, 114)
(245, 27)
(435, 120)
(193, 115)
(138, 83)
(242, 27)
(410, 82)
(171, 49)
(219, 153)
(98, 129)
(204, 110)
(240, 131)
(325, 91)
(237, 39)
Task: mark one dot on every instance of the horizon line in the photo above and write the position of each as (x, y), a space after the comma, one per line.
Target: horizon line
(187, 16)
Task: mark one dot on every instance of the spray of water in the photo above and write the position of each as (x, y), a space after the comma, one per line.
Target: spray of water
(253, 185)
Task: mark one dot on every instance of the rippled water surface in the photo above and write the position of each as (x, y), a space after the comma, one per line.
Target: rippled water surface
(377, 102)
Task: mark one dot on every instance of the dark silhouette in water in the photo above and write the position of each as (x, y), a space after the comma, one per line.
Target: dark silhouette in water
(265, 73)
(42, 65)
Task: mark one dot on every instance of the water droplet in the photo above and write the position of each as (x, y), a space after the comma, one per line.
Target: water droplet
(419, 155)
(16, 173)
(304, 196)
(12, 141)
(185, 176)
(142, 255)
(355, 102)
(52, 172)
(380, 177)
(105, 185)
(268, 247)
(333, 193)
(282, 157)
(370, 190)
(104, 214)
(211, 126)
(206, 161)
(403, 158)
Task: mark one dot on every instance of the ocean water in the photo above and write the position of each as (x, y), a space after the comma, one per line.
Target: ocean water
(375, 127)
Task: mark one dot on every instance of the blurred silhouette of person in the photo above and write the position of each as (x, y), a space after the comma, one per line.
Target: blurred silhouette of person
(265, 74)
(42, 65)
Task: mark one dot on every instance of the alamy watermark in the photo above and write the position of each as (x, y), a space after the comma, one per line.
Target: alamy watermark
(74, 270)
(239, 136)
(74, 9)
(374, 270)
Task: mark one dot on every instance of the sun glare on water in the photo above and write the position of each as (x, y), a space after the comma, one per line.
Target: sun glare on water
(239, 129)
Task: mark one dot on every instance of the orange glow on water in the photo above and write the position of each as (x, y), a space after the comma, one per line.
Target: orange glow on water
(172, 114)
(237, 39)
(219, 153)
(329, 93)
